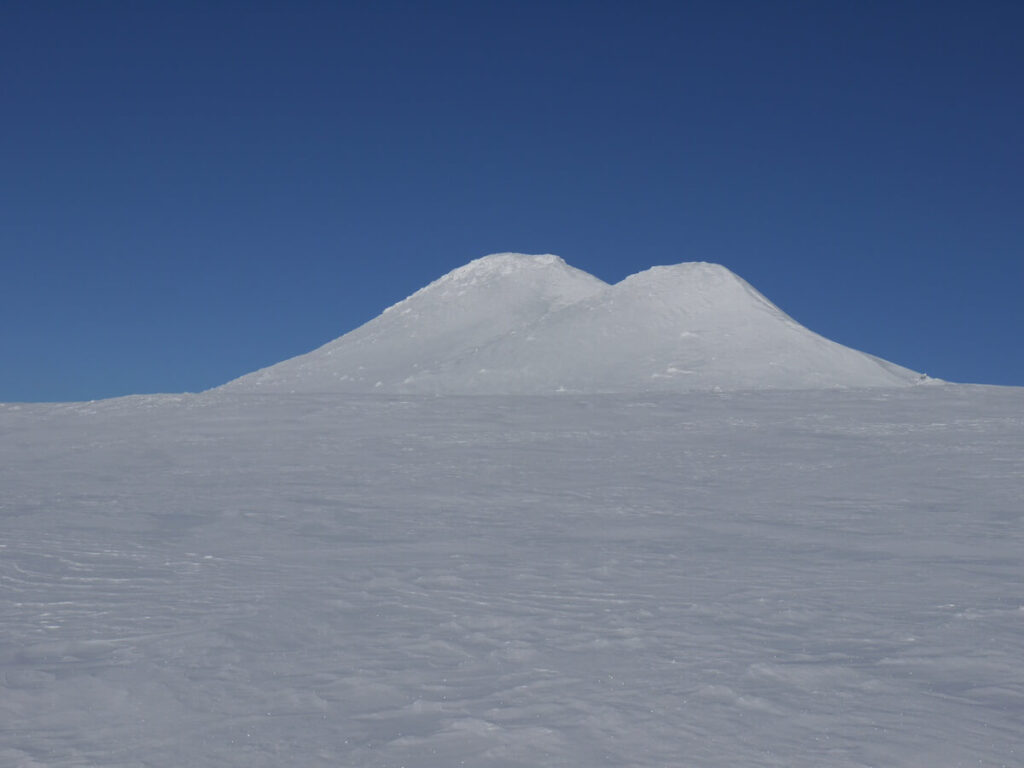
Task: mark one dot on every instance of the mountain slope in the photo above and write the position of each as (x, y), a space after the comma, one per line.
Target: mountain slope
(448, 319)
(516, 324)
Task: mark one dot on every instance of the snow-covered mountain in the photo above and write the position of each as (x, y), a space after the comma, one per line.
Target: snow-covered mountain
(522, 324)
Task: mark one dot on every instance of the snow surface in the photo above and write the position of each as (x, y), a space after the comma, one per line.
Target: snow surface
(520, 324)
(819, 578)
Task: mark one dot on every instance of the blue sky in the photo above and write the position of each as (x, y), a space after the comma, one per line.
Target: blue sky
(193, 191)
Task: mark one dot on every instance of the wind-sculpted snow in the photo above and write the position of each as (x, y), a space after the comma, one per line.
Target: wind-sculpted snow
(816, 579)
(518, 324)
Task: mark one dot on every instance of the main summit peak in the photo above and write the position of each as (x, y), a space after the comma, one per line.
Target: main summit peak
(502, 279)
(509, 262)
(523, 266)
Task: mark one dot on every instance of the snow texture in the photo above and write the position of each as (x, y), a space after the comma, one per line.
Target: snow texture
(519, 324)
(790, 579)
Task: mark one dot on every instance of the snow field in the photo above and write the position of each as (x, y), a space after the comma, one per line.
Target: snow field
(756, 579)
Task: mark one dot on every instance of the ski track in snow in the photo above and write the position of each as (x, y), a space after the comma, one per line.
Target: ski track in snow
(759, 579)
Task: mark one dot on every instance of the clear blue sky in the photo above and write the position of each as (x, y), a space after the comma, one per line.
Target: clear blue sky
(189, 192)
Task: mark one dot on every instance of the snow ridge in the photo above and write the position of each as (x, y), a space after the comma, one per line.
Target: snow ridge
(513, 323)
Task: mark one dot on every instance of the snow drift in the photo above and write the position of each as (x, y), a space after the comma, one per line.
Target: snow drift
(521, 324)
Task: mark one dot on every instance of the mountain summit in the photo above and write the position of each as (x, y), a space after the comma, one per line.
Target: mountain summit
(520, 324)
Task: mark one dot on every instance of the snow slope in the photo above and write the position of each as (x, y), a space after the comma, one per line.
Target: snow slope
(452, 317)
(518, 324)
(816, 579)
